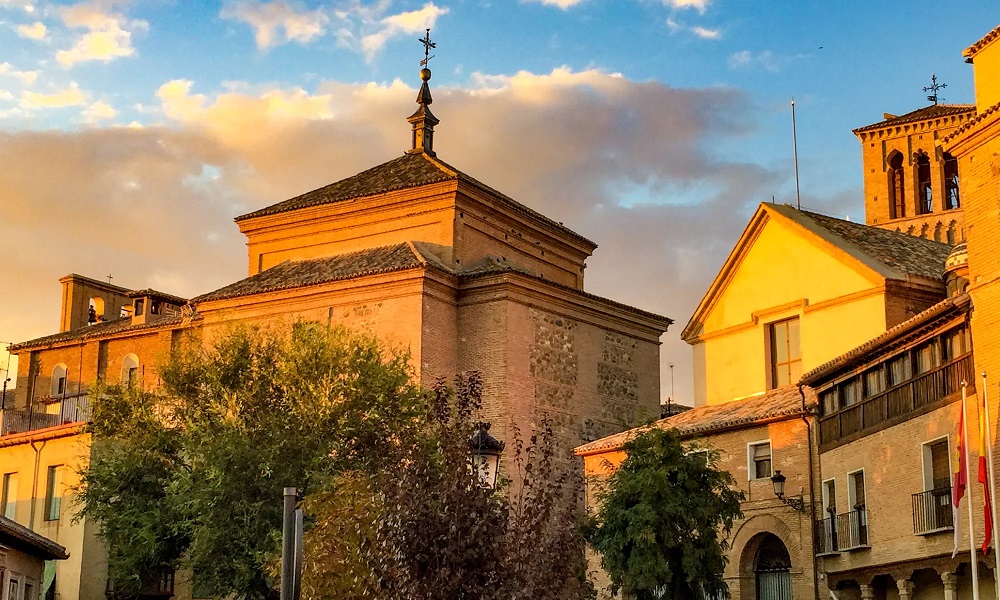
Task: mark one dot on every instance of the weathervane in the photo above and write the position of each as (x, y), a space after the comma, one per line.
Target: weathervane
(933, 88)
(428, 44)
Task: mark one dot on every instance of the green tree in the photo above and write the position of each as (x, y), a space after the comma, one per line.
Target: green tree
(191, 474)
(664, 519)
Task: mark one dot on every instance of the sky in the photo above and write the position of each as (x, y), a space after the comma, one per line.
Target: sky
(133, 132)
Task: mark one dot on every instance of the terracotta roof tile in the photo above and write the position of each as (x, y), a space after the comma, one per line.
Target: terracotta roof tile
(780, 403)
(973, 123)
(97, 330)
(857, 355)
(983, 41)
(407, 171)
(934, 111)
(157, 294)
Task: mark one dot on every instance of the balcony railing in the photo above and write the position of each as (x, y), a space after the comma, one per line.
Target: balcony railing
(852, 530)
(897, 403)
(75, 409)
(826, 535)
(932, 511)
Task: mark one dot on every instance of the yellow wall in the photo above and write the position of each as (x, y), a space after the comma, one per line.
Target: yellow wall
(30, 460)
(784, 273)
(985, 65)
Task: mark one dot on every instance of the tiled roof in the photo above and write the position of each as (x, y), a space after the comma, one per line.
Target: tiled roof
(107, 328)
(972, 123)
(983, 41)
(295, 274)
(934, 111)
(158, 294)
(407, 171)
(18, 536)
(777, 404)
(857, 355)
(907, 253)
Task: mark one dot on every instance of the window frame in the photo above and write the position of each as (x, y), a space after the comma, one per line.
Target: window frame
(771, 351)
(53, 502)
(8, 500)
(927, 465)
(852, 500)
(752, 464)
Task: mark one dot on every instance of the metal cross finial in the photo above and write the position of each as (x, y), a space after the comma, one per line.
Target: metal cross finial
(109, 279)
(428, 44)
(933, 88)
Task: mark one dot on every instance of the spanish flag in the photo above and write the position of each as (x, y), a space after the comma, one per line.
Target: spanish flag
(961, 480)
(984, 476)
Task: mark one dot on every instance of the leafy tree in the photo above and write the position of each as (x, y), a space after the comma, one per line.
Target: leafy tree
(192, 473)
(664, 519)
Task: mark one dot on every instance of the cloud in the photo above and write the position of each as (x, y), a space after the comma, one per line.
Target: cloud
(27, 6)
(277, 22)
(70, 96)
(35, 31)
(699, 5)
(707, 34)
(593, 149)
(766, 60)
(393, 26)
(25, 77)
(98, 111)
(563, 4)
(109, 33)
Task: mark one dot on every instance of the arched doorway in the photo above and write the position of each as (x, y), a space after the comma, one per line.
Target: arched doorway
(772, 570)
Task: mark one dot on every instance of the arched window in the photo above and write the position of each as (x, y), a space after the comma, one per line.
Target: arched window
(925, 193)
(95, 312)
(57, 388)
(772, 570)
(130, 370)
(897, 195)
(951, 197)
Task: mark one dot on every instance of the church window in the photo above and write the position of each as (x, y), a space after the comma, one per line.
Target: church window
(130, 370)
(897, 195)
(951, 197)
(925, 194)
(58, 386)
(785, 355)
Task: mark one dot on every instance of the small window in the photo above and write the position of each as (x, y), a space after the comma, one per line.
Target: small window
(899, 369)
(53, 493)
(29, 591)
(13, 587)
(58, 386)
(874, 381)
(154, 307)
(8, 498)
(130, 371)
(139, 306)
(925, 194)
(830, 498)
(927, 357)
(829, 402)
(951, 197)
(897, 194)
(850, 392)
(759, 464)
(785, 354)
(956, 343)
(937, 467)
(856, 490)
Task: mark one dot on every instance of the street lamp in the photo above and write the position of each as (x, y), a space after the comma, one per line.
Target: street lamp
(778, 481)
(486, 451)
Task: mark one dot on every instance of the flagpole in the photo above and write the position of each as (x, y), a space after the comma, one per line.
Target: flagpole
(972, 531)
(993, 491)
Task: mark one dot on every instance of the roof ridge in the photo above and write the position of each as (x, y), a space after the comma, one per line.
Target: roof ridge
(445, 167)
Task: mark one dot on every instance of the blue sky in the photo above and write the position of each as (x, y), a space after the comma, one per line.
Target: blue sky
(134, 132)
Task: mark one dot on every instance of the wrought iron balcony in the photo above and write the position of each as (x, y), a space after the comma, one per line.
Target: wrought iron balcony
(852, 530)
(72, 409)
(826, 536)
(932, 511)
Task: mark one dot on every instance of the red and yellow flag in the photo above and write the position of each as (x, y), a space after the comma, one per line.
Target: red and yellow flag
(961, 479)
(984, 475)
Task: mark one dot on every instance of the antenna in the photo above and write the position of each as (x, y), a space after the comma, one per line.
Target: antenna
(933, 88)
(795, 156)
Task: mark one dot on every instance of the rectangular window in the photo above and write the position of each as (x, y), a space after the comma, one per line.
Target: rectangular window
(937, 465)
(759, 460)
(53, 492)
(8, 499)
(830, 498)
(29, 591)
(12, 589)
(850, 392)
(785, 355)
(856, 490)
(899, 369)
(927, 357)
(956, 343)
(874, 381)
(828, 400)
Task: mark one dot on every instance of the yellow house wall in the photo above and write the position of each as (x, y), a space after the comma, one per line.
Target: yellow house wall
(783, 275)
(82, 575)
(985, 66)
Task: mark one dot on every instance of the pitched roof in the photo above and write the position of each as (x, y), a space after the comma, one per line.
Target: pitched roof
(974, 123)
(104, 329)
(407, 171)
(934, 111)
(295, 274)
(774, 405)
(858, 355)
(18, 536)
(906, 253)
(982, 43)
(157, 294)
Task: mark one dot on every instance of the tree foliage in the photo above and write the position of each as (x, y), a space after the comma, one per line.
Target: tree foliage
(664, 518)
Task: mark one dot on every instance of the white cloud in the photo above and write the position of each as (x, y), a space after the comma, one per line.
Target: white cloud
(70, 96)
(25, 77)
(699, 5)
(766, 60)
(277, 22)
(109, 33)
(673, 25)
(5, 95)
(563, 4)
(415, 21)
(98, 111)
(707, 34)
(35, 31)
(27, 6)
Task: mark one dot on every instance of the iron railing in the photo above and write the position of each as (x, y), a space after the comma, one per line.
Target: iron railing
(852, 529)
(911, 396)
(73, 409)
(826, 535)
(932, 510)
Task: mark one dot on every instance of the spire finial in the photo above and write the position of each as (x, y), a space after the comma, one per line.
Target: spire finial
(423, 121)
(933, 89)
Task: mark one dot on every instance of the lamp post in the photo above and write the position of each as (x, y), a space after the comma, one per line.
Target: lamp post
(486, 451)
(796, 502)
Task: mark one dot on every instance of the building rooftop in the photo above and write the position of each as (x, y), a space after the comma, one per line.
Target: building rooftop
(775, 405)
(934, 111)
(982, 43)
(15, 535)
(97, 330)
(408, 171)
